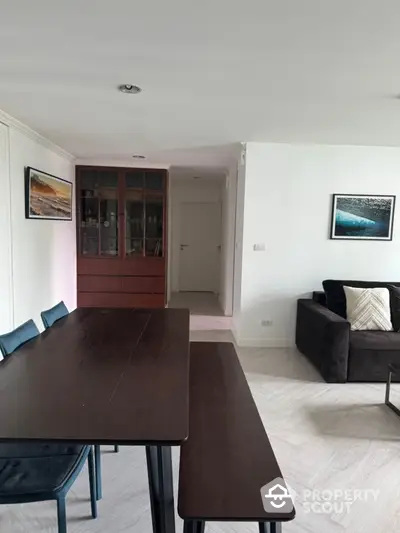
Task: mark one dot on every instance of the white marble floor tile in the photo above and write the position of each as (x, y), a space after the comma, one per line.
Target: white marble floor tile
(325, 436)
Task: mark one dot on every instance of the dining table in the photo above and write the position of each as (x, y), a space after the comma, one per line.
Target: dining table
(105, 376)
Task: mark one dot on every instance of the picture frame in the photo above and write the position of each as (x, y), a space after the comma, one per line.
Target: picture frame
(47, 197)
(362, 217)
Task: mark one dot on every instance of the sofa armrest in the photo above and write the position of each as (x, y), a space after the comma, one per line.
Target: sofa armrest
(323, 337)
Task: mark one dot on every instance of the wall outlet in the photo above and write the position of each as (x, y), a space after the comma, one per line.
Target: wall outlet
(259, 247)
(266, 323)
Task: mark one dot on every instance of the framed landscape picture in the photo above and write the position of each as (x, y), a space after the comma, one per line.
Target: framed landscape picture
(47, 196)
(362, 217)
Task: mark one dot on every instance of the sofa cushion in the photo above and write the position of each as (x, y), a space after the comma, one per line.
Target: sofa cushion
(370, 353)
(336, 299)
(32, 475)
(375, 340)
(37, 449)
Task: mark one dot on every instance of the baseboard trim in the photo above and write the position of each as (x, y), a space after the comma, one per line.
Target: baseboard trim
(248, 342)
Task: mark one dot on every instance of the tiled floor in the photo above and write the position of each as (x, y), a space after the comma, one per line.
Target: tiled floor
(199, 303)
(207, 320)
(325, 436)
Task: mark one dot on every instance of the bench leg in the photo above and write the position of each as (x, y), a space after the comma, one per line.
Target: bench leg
(193, 526)
(199, 526)
(275, 527)
(159, 469)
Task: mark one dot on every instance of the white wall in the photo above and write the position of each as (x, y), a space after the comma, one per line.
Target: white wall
(238, 252)
(184, 190)
(228, 240)
(287, 206)
(43, 252)
(6, 299)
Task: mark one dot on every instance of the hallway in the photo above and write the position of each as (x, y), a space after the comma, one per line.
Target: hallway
(207, 321)
(199, 303)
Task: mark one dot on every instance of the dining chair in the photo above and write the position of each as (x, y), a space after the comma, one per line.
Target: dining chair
(55, 313)
(36, 472)
(49, 317)
(97, 462)
(9, 342)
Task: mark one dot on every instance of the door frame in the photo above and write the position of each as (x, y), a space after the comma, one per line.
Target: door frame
(229, 245)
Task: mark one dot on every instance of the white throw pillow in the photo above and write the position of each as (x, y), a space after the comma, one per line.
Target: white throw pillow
(368, 308)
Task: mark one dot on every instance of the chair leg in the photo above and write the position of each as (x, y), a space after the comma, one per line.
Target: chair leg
(92, 484)
(61, 515)
(97, 462)
(263, 527)
(116, 448)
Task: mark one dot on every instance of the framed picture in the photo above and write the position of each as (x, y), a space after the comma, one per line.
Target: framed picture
(46, 196)
(362, 217)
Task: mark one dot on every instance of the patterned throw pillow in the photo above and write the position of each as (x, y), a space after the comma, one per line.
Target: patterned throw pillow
(368, 308)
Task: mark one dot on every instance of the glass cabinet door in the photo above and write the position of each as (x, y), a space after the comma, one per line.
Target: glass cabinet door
(98, 223)
(134, 213)
(154, 209)
(154, 224)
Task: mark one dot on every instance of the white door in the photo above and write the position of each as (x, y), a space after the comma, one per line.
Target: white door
(200, 239)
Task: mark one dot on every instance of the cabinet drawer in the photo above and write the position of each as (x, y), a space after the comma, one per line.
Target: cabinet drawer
(142, 285)
(116, 266)
(99, 284)
(93, 299)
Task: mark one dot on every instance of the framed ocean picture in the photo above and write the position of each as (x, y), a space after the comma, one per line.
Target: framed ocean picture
(362, 217)
(46, 196)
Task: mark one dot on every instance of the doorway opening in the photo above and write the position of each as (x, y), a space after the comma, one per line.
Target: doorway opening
(201, 250)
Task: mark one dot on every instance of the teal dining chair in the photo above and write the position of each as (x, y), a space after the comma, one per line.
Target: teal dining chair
(53, 314)
(9, 342)
(40, 471)
(49, 317)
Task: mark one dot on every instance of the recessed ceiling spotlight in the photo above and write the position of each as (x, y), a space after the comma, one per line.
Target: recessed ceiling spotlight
(129, 89)
(139, 157)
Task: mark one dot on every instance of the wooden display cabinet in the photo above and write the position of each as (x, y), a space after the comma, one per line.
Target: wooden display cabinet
(121, 236)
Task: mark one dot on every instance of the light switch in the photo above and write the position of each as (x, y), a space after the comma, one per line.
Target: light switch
(260, 247)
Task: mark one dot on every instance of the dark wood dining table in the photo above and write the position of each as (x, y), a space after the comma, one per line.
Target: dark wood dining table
(106, 376)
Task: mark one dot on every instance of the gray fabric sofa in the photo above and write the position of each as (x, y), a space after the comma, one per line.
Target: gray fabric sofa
(323, 335)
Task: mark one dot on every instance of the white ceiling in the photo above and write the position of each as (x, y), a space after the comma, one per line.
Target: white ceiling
(213, 72)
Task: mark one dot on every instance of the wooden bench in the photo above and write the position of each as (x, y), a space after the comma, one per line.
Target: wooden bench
(228, 457)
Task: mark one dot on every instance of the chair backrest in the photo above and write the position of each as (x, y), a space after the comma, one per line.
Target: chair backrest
(55, 313)
(9, 342)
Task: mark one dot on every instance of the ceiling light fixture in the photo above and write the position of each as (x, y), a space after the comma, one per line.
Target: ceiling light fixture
(139, 157)
(127, 88)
